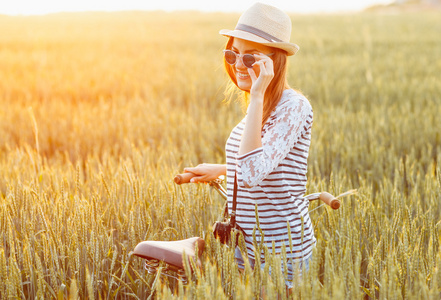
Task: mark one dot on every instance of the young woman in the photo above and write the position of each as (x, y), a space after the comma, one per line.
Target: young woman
(267, 151)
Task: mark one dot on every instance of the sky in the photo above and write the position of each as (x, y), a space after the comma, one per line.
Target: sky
(39, 7)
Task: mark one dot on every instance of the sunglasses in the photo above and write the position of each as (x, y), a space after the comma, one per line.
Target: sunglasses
(248, 60)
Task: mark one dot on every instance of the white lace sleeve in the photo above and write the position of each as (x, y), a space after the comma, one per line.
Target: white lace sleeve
(281, 132)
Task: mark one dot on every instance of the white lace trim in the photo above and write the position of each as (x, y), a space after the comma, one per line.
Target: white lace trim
(280, 133)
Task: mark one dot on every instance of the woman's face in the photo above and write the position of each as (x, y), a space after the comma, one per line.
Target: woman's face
(239, 69)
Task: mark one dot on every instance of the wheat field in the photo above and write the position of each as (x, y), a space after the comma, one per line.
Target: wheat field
(98, 112)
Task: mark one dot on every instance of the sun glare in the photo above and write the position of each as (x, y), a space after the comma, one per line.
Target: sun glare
(28, 7)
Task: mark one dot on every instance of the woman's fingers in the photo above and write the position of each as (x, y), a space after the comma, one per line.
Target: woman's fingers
(265, 65)
(266, 73)
(252, 75)
(190, 170)
(265, 60)
(199, 176)
(199, 179)
(202, 172)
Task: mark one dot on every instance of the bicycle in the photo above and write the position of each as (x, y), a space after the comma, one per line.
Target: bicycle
(168, 257)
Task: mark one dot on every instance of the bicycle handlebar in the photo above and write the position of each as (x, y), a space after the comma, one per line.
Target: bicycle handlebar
(326, 197)
(183, 178)
(330, 199)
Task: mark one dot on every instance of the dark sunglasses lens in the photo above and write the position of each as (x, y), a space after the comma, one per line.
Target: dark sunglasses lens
(230, 57)
(248, 60)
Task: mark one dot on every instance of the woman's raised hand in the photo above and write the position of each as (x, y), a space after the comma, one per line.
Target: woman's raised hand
(206, 172)
(266, 74)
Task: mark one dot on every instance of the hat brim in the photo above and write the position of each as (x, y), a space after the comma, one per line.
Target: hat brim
(290, 48)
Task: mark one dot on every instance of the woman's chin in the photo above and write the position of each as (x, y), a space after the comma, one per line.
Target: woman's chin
(244, 85)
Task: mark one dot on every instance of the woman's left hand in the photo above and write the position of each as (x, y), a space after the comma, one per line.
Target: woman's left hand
(266, 73)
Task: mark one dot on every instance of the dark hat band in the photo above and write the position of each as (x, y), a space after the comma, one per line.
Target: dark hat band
(258, 32)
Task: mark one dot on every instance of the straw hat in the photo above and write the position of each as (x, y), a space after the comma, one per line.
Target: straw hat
(266, 25)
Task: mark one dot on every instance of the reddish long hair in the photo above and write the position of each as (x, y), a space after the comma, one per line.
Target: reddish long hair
(276, 87)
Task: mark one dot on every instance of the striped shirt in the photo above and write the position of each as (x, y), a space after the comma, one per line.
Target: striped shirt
(273, 177)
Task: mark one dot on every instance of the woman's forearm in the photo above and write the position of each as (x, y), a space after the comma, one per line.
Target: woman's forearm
(222, 169)
(251, 137)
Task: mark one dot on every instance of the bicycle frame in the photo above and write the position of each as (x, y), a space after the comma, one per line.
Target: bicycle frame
(158, 254)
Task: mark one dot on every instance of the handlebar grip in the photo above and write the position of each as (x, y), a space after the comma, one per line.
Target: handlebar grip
(329, 199)
(183, 178)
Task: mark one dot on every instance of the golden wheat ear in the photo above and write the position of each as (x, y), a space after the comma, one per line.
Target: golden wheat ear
(347, 193)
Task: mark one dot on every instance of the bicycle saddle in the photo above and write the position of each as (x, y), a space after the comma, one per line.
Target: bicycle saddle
(170, 252)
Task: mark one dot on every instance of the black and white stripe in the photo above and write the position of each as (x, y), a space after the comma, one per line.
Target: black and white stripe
(279, 196)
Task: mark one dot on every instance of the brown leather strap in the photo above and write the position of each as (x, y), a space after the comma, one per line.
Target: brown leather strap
(233, 210)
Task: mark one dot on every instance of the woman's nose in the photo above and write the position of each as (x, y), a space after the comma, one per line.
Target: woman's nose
(239, 63)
